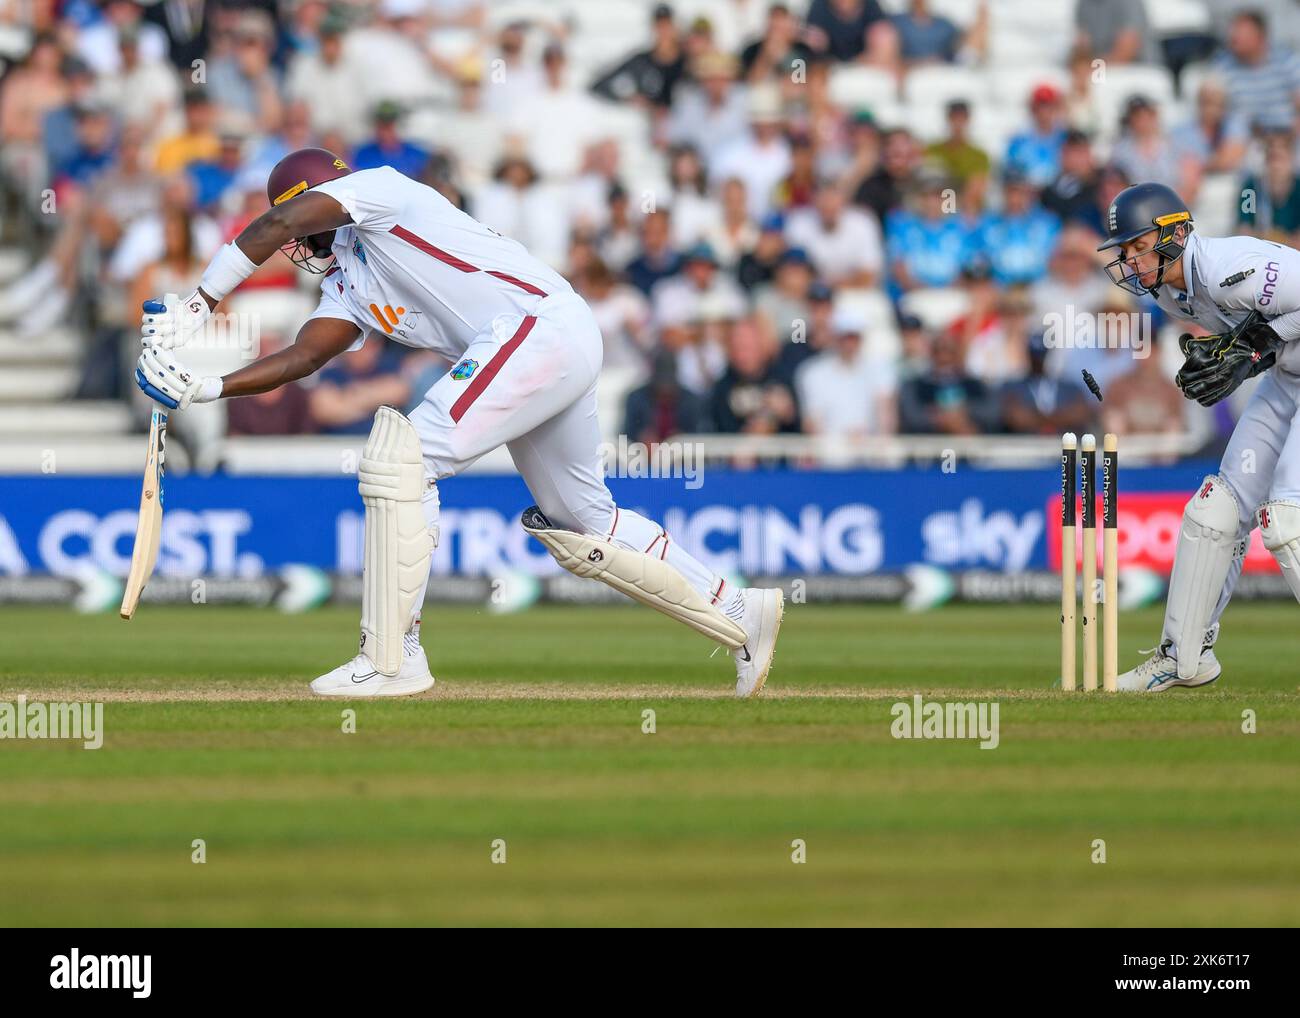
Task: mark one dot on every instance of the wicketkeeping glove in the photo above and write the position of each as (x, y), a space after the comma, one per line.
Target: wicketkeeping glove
(1217, 365)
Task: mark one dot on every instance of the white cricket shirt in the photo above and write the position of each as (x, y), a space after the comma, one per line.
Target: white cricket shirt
(416, 269)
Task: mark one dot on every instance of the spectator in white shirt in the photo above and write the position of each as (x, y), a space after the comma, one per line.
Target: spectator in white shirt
(844, 393)
(330, 85)
(679, 297)
(710, 115)
(557, 122)
(761, 157)
(842, 241)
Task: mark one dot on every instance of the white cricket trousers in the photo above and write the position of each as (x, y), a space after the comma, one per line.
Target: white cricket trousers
(532, 388)
(1261, 462)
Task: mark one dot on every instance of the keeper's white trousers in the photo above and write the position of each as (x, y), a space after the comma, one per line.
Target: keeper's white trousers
(1262, 461)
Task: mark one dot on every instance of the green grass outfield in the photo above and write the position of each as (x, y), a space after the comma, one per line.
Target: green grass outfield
(533, 735)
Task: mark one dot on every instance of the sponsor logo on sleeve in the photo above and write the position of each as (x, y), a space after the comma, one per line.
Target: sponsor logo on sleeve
(1266, 293)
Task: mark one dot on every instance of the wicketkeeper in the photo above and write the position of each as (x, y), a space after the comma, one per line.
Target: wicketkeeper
(1247, 293)
(399, 260)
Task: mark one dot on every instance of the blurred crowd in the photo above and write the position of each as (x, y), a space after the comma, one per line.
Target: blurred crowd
(764, 254)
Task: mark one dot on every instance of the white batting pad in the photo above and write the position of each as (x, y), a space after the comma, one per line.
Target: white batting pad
(1279, 524)
(642, 577)
(399, 543)
(1204, 555)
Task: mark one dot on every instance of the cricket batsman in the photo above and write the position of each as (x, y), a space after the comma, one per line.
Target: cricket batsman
(1247, 293)
(398, 259)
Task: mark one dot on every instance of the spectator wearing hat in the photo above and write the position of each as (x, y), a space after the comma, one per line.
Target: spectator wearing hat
(1018, 240)
(1041, 405)
(699, 283)
(759, 266)
(1263, 80)
(945, 399)
(1072, 196)
(663, 407)
(1037, 151)
(849, 30)
(518, 205)
(387, 147)
(842, 392)
(712, 112)
(1145, 152)
(843, 242)
(781, 306)
(929, 244)
(960, 159)
(760, 157)
(914, 347)
(244, 80)
(752, 397)
(330, 84)
(1273, 212)
(817, 334)
(648, 77)
(196, 141)
(658, 259)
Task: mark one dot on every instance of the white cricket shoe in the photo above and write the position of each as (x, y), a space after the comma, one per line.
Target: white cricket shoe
(1159, 672)
(764, 608)
(359, 677)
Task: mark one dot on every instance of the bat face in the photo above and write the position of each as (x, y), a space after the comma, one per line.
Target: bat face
(148, 531)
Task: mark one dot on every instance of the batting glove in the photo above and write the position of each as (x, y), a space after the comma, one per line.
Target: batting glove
(162, 378)
(171, 322)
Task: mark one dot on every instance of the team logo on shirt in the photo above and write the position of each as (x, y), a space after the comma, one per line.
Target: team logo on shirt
(464, 369)
(359, 251)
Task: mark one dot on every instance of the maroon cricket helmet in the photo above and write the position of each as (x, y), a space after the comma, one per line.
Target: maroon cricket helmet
(298, 172)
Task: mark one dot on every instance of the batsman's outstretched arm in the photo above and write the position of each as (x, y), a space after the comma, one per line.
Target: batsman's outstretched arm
(319, 341)
(310, 214)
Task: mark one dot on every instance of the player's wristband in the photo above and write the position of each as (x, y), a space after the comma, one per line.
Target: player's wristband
(210, 387)
(226, 271)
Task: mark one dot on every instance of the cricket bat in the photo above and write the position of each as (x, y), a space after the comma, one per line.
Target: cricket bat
(148, 530)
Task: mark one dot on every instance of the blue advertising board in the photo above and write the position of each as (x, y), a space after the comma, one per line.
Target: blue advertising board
(753, 522)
